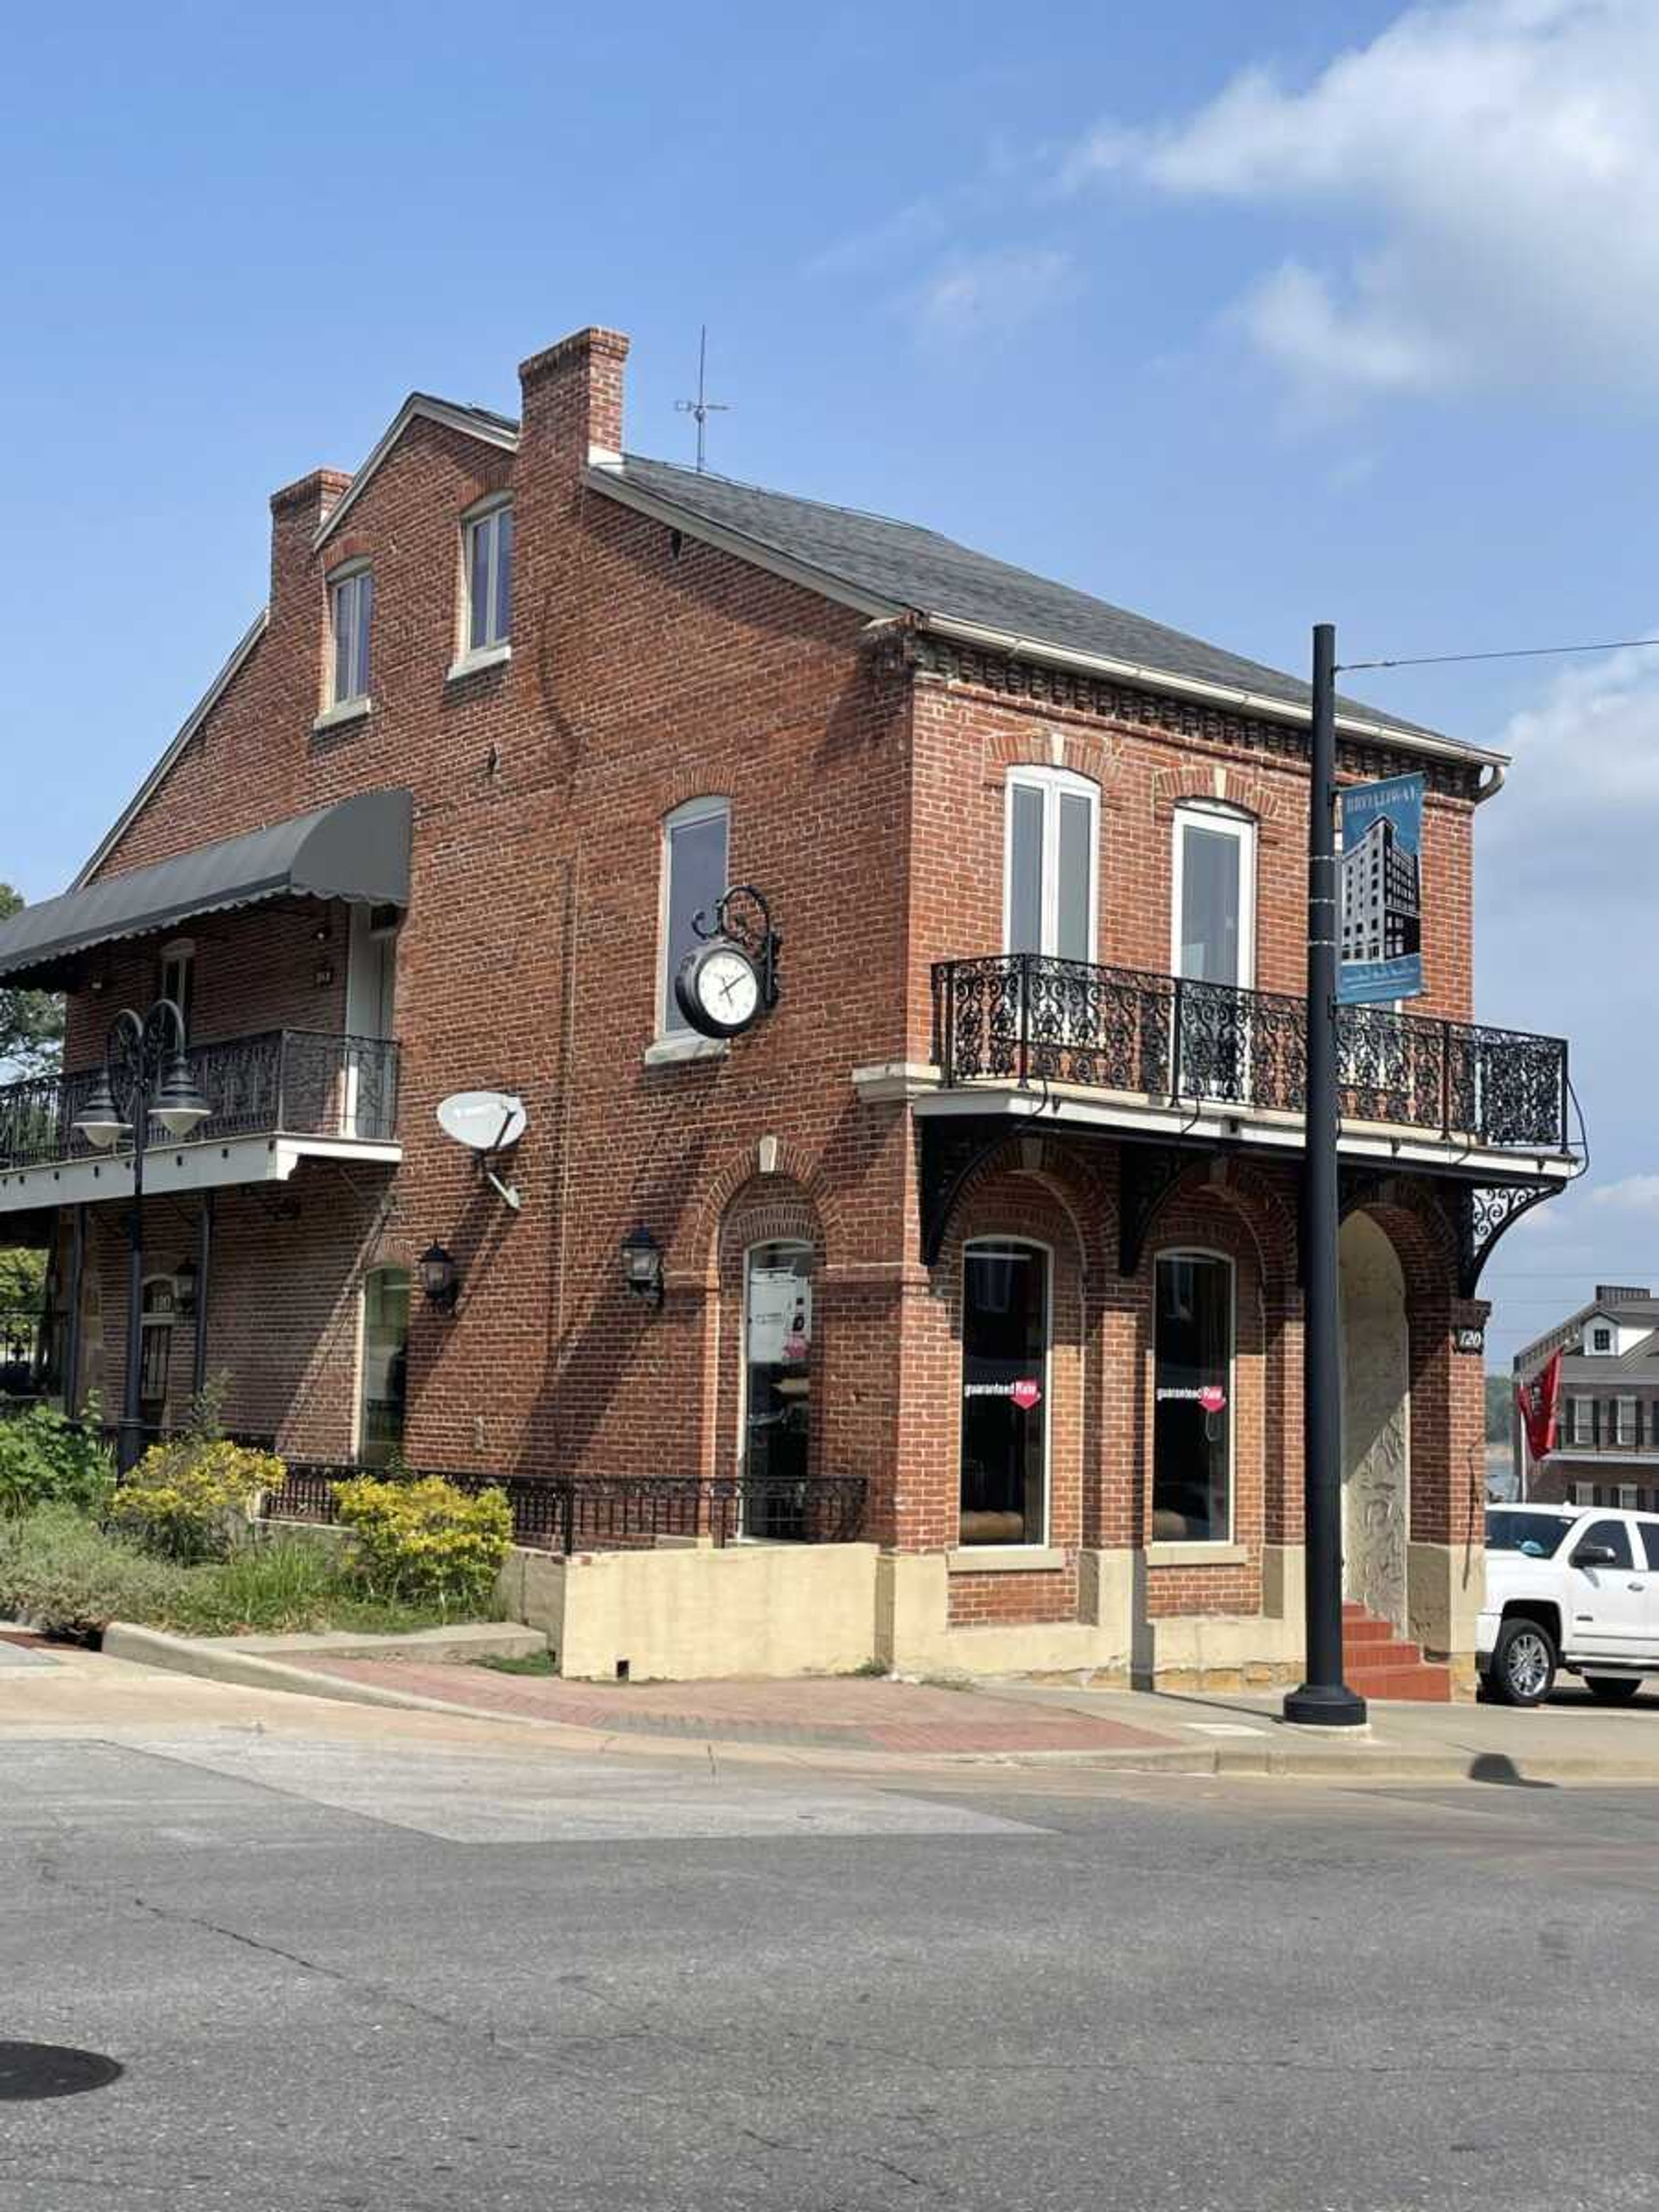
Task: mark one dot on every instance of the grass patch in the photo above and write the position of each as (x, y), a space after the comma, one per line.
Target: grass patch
(531, 1662)
(60, 1570)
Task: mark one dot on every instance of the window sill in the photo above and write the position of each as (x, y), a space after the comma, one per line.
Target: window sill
(1197, 1555)
(474, 664)
(669, 1051)
(1005, 1559)
(344, 710)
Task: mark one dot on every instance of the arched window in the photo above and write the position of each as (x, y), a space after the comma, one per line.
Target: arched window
(383, 1366)
(1192, 1399)
(1004, 1392)
(1212, 895)
(694, 841)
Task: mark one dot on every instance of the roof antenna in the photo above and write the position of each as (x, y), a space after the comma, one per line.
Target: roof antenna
(701, 407)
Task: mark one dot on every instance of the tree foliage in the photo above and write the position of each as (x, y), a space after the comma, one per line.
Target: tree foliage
(31, 1022)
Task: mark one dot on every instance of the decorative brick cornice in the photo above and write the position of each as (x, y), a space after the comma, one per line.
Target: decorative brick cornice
(1006, 676)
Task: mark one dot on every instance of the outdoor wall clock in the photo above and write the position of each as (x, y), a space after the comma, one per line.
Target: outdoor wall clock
(724, 985)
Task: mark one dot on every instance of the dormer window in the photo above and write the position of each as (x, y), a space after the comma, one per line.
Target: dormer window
(1601, 1339)
(351, 606)
(488, 577)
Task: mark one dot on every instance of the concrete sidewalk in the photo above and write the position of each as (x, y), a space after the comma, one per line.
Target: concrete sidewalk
(1572, 1740)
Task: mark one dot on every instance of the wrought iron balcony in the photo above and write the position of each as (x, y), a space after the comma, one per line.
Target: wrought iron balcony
(299, 1083)
(1022, 1018)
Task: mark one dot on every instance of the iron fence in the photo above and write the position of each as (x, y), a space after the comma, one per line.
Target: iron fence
(1025, 1017)
(606, 1513)
(301, 1083)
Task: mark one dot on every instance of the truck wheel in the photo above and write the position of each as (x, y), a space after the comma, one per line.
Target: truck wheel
(1612, 1689)
(1522, 1671)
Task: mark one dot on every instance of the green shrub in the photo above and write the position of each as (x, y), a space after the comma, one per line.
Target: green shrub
(70, 1577)
(191, 1500)
(46, 1460)
(425, 1543)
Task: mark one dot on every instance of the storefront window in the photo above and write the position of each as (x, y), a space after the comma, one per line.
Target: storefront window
(155, 1341)
(778, 1388)
(1192, 1408)
(385, 1366)
(1004, 1394)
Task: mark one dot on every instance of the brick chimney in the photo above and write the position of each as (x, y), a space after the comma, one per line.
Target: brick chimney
(573, 397)
(297, 512)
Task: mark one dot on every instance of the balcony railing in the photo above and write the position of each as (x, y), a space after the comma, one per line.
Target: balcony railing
(298, 1083)
(1023, 1017)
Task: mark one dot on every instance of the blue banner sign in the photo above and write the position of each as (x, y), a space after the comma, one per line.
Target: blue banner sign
(1380, 952)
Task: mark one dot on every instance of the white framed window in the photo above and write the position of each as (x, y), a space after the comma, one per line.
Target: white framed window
(351, 612)
(696, 840)
(176, 978)
(1601, 1340)
(1580, 1420)
(487, 570)
(1624, 1420)
(1213, 896)
(1050, 892)
(382, 1366)
(1193, 1345)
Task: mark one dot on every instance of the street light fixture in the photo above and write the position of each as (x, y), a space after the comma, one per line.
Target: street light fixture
(146, 1055)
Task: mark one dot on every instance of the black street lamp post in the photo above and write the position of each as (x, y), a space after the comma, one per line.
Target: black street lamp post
(145, 1075)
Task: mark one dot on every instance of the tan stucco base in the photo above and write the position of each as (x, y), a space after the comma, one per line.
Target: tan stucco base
(1445, 1586)
(682, 1614)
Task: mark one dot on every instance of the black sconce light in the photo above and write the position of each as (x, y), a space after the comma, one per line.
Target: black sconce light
(440, 1278)
(183, 1289)
(641, 1259)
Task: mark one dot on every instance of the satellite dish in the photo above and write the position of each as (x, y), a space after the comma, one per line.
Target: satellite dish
(483, 1120)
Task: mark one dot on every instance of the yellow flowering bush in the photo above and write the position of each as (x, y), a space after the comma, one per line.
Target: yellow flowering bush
(425, 1543)
(191, 1499)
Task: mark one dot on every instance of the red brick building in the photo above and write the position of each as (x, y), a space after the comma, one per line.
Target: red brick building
(990, 1223)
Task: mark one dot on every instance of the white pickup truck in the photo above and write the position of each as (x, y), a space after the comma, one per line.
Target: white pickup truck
(1569, 1586)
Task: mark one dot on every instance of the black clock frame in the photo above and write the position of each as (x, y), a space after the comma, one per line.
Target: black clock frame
(740, 921)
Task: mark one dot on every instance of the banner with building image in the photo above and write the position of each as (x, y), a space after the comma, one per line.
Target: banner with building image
(1380, 955)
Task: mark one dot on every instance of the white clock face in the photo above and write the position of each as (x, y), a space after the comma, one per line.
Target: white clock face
(728, 988)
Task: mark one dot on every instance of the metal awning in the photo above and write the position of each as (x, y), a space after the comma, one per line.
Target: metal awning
(356, 849)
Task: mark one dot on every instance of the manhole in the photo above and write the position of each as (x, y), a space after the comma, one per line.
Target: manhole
(28, 2070)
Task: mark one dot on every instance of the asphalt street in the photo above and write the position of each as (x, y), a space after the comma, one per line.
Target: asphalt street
(426, 1977)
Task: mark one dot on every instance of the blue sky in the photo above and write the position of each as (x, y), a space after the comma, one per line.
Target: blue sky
(1242, 316)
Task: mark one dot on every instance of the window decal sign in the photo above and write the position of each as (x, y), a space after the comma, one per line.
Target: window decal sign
(1212, 1398)
(1380, 949)
(1026, 1393)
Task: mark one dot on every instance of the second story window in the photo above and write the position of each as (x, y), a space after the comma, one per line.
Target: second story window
(1048, 868)
(694, 857)
(489, 550)
(1213, 919)
(351, 606)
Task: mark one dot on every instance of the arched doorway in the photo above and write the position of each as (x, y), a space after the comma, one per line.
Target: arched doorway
(1376, 1421)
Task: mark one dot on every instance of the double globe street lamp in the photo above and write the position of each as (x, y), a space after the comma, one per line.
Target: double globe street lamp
(145, 1078)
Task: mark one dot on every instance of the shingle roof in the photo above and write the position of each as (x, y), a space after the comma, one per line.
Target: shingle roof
(910, 567)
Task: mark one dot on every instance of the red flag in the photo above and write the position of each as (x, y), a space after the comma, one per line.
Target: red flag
(1538, 1401)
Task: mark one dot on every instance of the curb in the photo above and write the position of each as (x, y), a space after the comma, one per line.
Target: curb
(1290, 1762)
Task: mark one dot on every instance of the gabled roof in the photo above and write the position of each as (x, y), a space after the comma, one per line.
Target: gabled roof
(455, 414)
(192, 722)
(888, 568)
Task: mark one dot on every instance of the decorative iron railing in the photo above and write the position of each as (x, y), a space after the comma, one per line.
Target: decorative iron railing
(1023, 1017)
(299, 1083)
(608, 1513)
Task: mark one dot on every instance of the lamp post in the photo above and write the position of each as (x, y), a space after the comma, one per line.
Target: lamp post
(145, 1076)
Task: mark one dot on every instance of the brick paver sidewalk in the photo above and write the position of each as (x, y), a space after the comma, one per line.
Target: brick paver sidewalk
(849, 1714)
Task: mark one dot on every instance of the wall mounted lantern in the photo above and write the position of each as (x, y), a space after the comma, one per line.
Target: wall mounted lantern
(184, 1279)
(641, 1259)
(440, 1278)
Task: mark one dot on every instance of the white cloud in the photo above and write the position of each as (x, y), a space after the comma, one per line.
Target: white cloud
(1636, 1193)
(1592, 739)
(1500, 159)
(989, 295)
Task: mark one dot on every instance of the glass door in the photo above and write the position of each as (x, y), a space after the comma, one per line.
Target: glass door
(1214, 952)
(371, 985)
(384, 1369)
(1193, 1401)
(1005, 1395)
(777, 1335)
